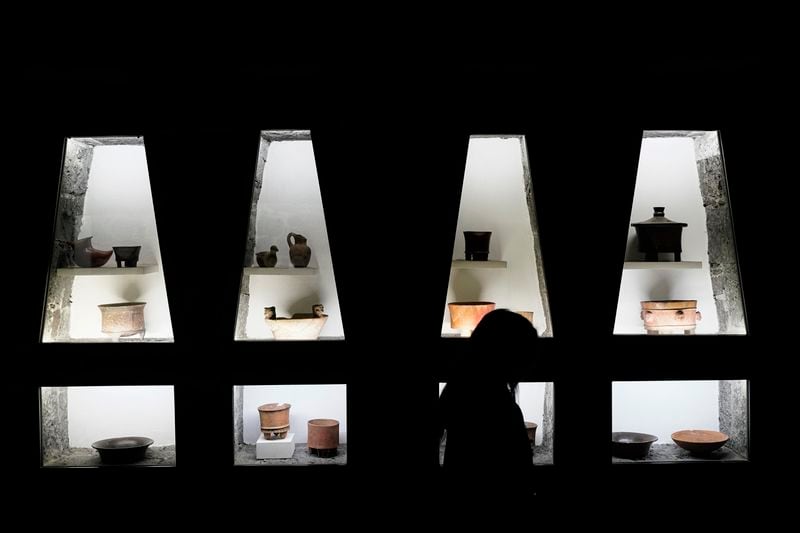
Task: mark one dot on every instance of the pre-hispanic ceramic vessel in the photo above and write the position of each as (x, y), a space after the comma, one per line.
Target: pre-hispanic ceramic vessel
(302, 326)
(700, 441)
(665, 317)
(299, 252)
(531, 428)
(464, 316)
(122, 450)
(323, 437)
(658, 235)
(274, 420)
(268, 259)
(630, 445)
(127, 256)
(88, 257)
(122, 319)
(476, 245)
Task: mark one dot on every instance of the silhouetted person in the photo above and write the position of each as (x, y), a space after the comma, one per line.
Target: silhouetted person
(487, 448)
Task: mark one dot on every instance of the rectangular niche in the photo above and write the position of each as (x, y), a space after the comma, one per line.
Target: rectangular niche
(505, 270)
(287, 262)
(536, 401)
(316, 418)
(73, 419)
(650, 410)
(661, 292)
(100, 286)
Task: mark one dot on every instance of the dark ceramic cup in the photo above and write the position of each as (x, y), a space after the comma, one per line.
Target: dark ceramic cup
(476, 245)
(129, 255)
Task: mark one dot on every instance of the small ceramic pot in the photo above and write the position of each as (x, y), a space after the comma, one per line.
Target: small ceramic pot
(665, 317)
(531, 428)
(122, 319)
(476, 245)
(268, 259)
(274, 420)
(658, 235)
(464, 316)
(127, 256)
(323, 437)
(88, 257)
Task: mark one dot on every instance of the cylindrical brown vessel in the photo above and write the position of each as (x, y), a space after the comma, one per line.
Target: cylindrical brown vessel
(670, 316)
(274, 420)
(531, 427)
(122, 319)
(323, 437)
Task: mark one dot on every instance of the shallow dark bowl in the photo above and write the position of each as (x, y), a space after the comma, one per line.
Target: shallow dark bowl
(122, 450)
(700, 441)
(631, 445)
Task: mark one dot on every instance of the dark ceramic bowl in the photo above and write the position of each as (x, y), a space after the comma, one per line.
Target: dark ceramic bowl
(127, 254)
(699, 441)
(122, 450)
(630, 445)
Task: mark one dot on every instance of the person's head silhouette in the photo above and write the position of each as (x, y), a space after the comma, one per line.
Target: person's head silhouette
(504, 336)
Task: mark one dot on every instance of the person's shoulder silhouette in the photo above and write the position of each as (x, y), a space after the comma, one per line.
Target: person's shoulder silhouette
(483, 427)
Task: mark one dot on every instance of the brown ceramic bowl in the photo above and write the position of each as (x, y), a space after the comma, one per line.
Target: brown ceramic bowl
(122, 450)
(700, 441)
(631, 445)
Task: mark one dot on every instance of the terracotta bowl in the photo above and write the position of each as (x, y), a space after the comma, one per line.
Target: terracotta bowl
(122, 319)
(631, 445)
(700, 441)
(464, 316)
(121, 450)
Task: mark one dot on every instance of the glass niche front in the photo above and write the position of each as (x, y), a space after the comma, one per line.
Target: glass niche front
(497, 259)
(679, 421)
(290, 425)
(535, 400)
(681, 274)
(105, 282)
(288, 290)
(107, 426)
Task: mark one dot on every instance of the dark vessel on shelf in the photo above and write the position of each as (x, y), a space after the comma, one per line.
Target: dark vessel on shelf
(659, 235)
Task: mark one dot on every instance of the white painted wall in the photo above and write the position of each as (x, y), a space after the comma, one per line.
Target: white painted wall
(308, 402)
(667, 176)
(118, 211)
(493, 199)
(664, 407)
(530, 397)
(290, 201)
(96, 413)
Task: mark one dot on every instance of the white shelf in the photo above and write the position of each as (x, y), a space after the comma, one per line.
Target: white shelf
(662, 265)
(272, 271)
(108, 271)
(461, 263)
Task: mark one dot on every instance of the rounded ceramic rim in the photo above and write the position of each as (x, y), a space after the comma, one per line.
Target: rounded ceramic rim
(269, 407)
(323, 422)
(123, 304)
(649, 439)
(103, 444)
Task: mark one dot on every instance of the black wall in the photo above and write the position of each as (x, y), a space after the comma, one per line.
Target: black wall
(390, 143)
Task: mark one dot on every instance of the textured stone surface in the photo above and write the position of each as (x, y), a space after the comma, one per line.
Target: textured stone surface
(109, 141)
(238, 410)
(286, 135)
(154, 456)
(670, 453)
(243, 310)
(246, 455)
(526, 173)
(733, 414)
(649, 134)
(548, 419)
(723, 265)
(541, 455)
(72, 195)
(55, 424)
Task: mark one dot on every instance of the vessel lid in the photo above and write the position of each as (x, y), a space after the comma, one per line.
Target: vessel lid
(659, 219)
